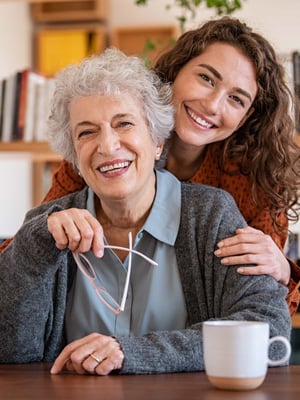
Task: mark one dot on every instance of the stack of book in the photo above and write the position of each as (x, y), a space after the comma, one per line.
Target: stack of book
(24, 106)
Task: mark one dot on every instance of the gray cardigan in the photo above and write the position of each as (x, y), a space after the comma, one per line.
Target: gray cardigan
(35, 277)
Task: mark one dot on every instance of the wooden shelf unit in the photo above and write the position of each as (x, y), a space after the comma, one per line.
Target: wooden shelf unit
(69, 10)
(132, 40)
(33, 147)
(296, 320)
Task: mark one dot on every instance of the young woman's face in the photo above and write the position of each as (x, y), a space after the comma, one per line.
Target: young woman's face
(213, 94)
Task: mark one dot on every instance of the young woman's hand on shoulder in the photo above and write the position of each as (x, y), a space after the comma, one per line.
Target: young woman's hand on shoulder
(252, 246)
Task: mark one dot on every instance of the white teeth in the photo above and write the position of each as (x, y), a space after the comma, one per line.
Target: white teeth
(199, 120)
(112, 167)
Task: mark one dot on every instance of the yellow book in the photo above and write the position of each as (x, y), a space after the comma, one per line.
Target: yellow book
(58, 48)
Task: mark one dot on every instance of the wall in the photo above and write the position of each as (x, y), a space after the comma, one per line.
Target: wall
(277, 19)
(15, 36)
(16, 191)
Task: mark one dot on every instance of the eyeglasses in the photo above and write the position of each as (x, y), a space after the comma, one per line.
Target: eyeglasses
(88, 271)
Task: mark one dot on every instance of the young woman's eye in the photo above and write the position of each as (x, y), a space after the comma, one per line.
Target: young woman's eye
(206, 78)
(237, 100)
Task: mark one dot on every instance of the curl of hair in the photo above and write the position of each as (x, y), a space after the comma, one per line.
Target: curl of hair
(111, 73)
(263, 147)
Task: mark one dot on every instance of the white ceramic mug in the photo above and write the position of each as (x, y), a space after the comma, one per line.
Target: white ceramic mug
(236, 353)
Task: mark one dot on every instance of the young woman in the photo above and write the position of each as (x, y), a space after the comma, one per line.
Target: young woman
(234, 131)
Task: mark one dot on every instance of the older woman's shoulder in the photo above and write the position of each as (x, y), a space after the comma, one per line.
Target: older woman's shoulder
(76, 199)
(198, 195)
(206, 191)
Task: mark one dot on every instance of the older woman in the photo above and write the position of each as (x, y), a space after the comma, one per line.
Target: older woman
(138, 307)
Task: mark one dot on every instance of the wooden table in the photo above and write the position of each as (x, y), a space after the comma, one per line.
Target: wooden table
(34, 382)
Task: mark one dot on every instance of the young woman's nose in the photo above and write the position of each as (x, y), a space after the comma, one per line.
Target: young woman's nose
(108, 141)
(213, 102)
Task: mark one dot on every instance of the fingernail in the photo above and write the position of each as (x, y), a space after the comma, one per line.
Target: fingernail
(224, 261)
(217, 252)
(99, 253)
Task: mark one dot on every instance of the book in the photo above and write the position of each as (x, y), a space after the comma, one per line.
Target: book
(34, 80)
(8, 108)
(22, 104)
(2, 94)
(59, 47)
(44, 92)
(16, 101)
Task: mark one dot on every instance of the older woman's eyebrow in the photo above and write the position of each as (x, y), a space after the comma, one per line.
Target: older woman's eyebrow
(123, 115)
(219, 76)
(84, 123)
(115, 117)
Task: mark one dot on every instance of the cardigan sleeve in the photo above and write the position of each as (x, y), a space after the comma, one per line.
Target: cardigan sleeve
(34, 276)
(30, 286)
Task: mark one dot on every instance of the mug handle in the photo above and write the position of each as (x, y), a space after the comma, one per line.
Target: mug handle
(273, 363)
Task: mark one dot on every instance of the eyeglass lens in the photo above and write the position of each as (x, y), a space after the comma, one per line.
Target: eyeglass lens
(87, 267)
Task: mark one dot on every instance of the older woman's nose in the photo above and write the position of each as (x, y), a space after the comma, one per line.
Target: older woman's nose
(108, 141)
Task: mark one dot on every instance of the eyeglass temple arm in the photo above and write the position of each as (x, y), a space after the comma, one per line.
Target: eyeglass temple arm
(132, 251)
(125, 291)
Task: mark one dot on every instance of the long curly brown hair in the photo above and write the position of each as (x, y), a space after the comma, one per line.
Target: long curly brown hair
(264, 146)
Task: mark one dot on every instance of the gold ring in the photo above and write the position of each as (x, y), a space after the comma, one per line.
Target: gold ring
(95, 358)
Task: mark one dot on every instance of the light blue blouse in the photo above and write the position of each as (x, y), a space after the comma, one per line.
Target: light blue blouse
(155, 298)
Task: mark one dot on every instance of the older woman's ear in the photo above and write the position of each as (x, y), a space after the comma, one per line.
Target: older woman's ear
(159, 150)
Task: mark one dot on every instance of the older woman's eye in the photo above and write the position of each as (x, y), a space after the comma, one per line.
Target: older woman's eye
(124, 124)
(85, 133)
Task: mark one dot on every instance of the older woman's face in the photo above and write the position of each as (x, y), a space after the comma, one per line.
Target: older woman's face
(213, 94)
(115, 152)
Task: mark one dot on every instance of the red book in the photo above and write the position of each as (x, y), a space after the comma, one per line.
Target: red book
(22, 104)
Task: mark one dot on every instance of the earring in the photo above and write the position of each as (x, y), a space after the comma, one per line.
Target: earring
(157, 156)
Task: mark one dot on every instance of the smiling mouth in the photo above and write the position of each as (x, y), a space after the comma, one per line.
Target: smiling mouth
(115, 167)
(200, 121)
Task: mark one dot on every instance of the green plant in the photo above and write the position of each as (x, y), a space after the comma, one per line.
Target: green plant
(188, 8)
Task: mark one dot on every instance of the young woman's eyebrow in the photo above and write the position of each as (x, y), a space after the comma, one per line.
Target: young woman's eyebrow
(219, 76)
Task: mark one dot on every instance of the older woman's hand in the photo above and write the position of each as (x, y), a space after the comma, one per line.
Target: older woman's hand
(77, 230)
(93, 354)
(252, 246)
